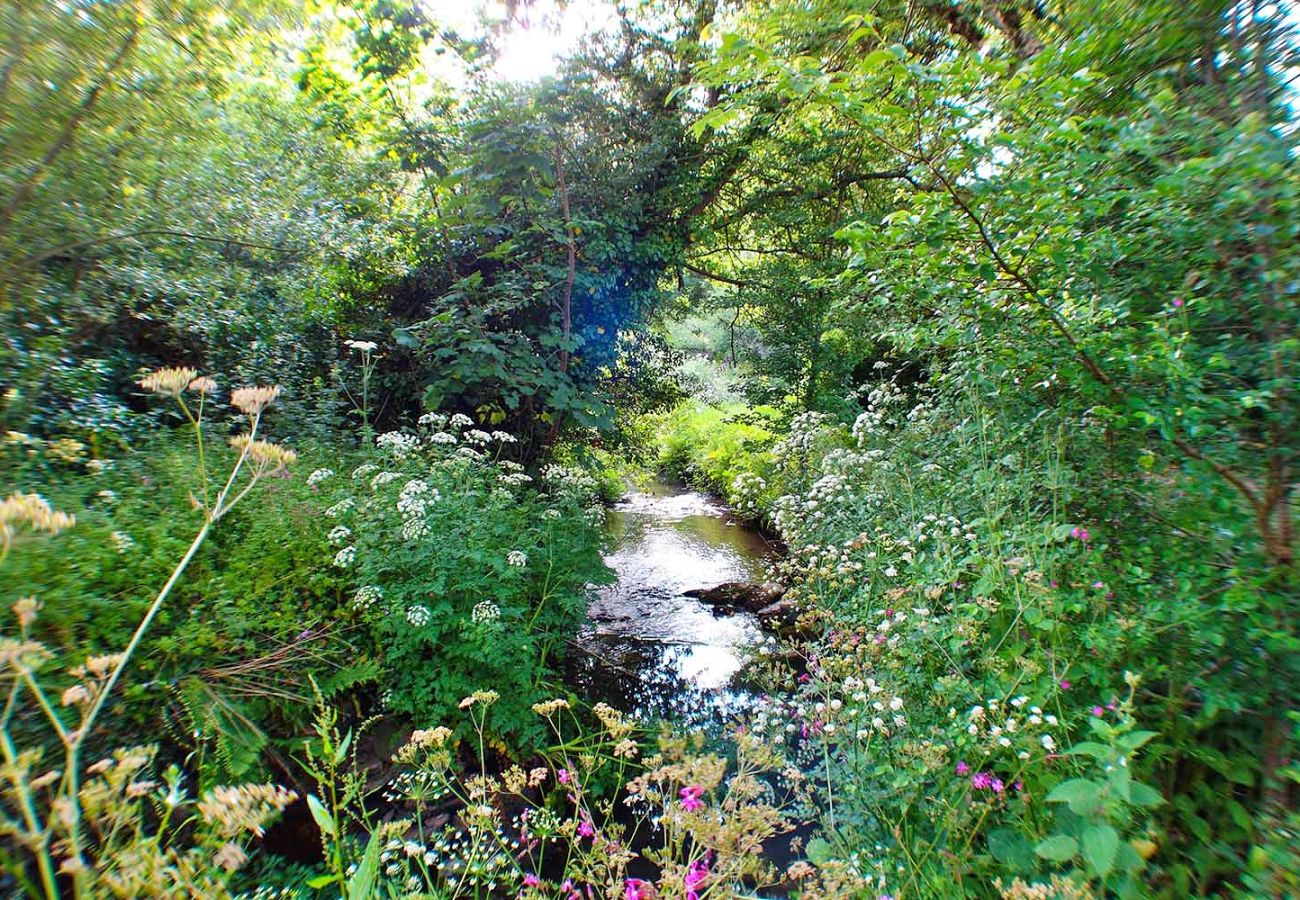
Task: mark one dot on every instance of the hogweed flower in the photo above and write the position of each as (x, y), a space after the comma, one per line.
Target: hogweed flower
(171, 382)
(204, 386)
(252, 400)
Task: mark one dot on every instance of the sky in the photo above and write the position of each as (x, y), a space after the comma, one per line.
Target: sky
(532, 48)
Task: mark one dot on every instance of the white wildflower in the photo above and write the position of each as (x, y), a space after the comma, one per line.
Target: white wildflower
(345, 557)
(418, 615)
(318, 476)
(517, 558)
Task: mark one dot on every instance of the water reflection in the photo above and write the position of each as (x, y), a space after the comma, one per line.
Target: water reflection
(647, 648)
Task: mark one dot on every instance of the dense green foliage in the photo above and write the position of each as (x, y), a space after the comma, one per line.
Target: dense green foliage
(989, 311)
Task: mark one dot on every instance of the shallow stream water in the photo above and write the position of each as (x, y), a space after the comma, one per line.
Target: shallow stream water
(649, 649)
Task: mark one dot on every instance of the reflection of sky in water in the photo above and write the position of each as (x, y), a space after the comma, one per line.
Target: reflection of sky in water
(650, 649)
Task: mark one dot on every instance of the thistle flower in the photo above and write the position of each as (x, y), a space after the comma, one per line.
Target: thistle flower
(252, 400)
(172, 381)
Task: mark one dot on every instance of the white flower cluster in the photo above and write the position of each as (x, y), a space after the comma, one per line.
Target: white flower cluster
(432, 420)
(364, 469)
(882, 401)
(397, 445)
(339, 534)
(485, 611)
(517, 558)
(412, 503)
(805, 431)
(367, 596)
(122, 542)
(345, 557)
(318, 476)
(746, 488)
(343, 506)
(384, 478)
(1003, 728)
(418, 615)
(569, 481)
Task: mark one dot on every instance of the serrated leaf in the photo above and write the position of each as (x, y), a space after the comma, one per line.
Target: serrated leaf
(1058, 848)
(1090, 748)
(1100, 843)
(1082, 795)
(1144, 795)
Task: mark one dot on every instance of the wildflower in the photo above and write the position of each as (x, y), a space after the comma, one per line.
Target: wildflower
(34, 512)
(691, 797)
(564, 776)
(1049, 744)
(636, 889)
(235, 810)
(696, 875)
(203, 385)
(418, 615)
(362, 346)
(252, 400)
(318, 476)
(1098, 711)
(442, 437)
(171, 381)
(366, 596)
(122, 542)
(345, 557)
(585, 829)
(460, 420)
(517, 558)
(981, 781)
(230, 856)
(531, 880)
(550, 708)
(1178, 301)
(962, 768)
(340, 508)
(487, 698)
(1065, 685)
(997, 785)
(486, 611)
(1079, 534)
(339, 534)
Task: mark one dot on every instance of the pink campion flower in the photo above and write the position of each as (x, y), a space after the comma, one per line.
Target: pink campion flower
(531, 880)
(981, 781)
(1098, 711)
(1065, 685)
(696, 875)
(962, 768)
(1079, 534)
(563, 775)
(691, 795)
(636, 889)
(997, 785)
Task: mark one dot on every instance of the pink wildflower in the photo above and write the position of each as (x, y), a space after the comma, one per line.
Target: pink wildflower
(1098, 711)
(962, 768)
(696, 875)
(691, 797)
(981, 781)
(638, 890)
(563, 775)
(585, 829)
(997, 785)
(1065, 685)
(531, 880)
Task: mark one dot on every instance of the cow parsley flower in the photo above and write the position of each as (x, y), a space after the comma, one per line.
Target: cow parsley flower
(367, 596)
(485, 611)
(517, 558)
(345, 557)
(338, 509)
(418, 615)
(318, 476)
(339, 534)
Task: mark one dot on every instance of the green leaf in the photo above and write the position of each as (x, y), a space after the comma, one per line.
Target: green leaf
(1058, 848)
(321, 881)
(1136, 739)
(362, 881)
(1011, 848)
(1082, 795)
(819, 851)
(324, 820)
(1144, 795)
(1100, 844)
(1090, 748)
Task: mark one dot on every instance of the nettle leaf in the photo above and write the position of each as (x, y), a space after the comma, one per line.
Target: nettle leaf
(1140, 794)
(1100, 845)
(1081, 794)
(1058, 848)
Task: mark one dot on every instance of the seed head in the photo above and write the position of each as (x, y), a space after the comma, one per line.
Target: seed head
(252, 400)
(170, 382)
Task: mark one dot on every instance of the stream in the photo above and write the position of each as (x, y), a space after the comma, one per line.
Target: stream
(649, 649)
